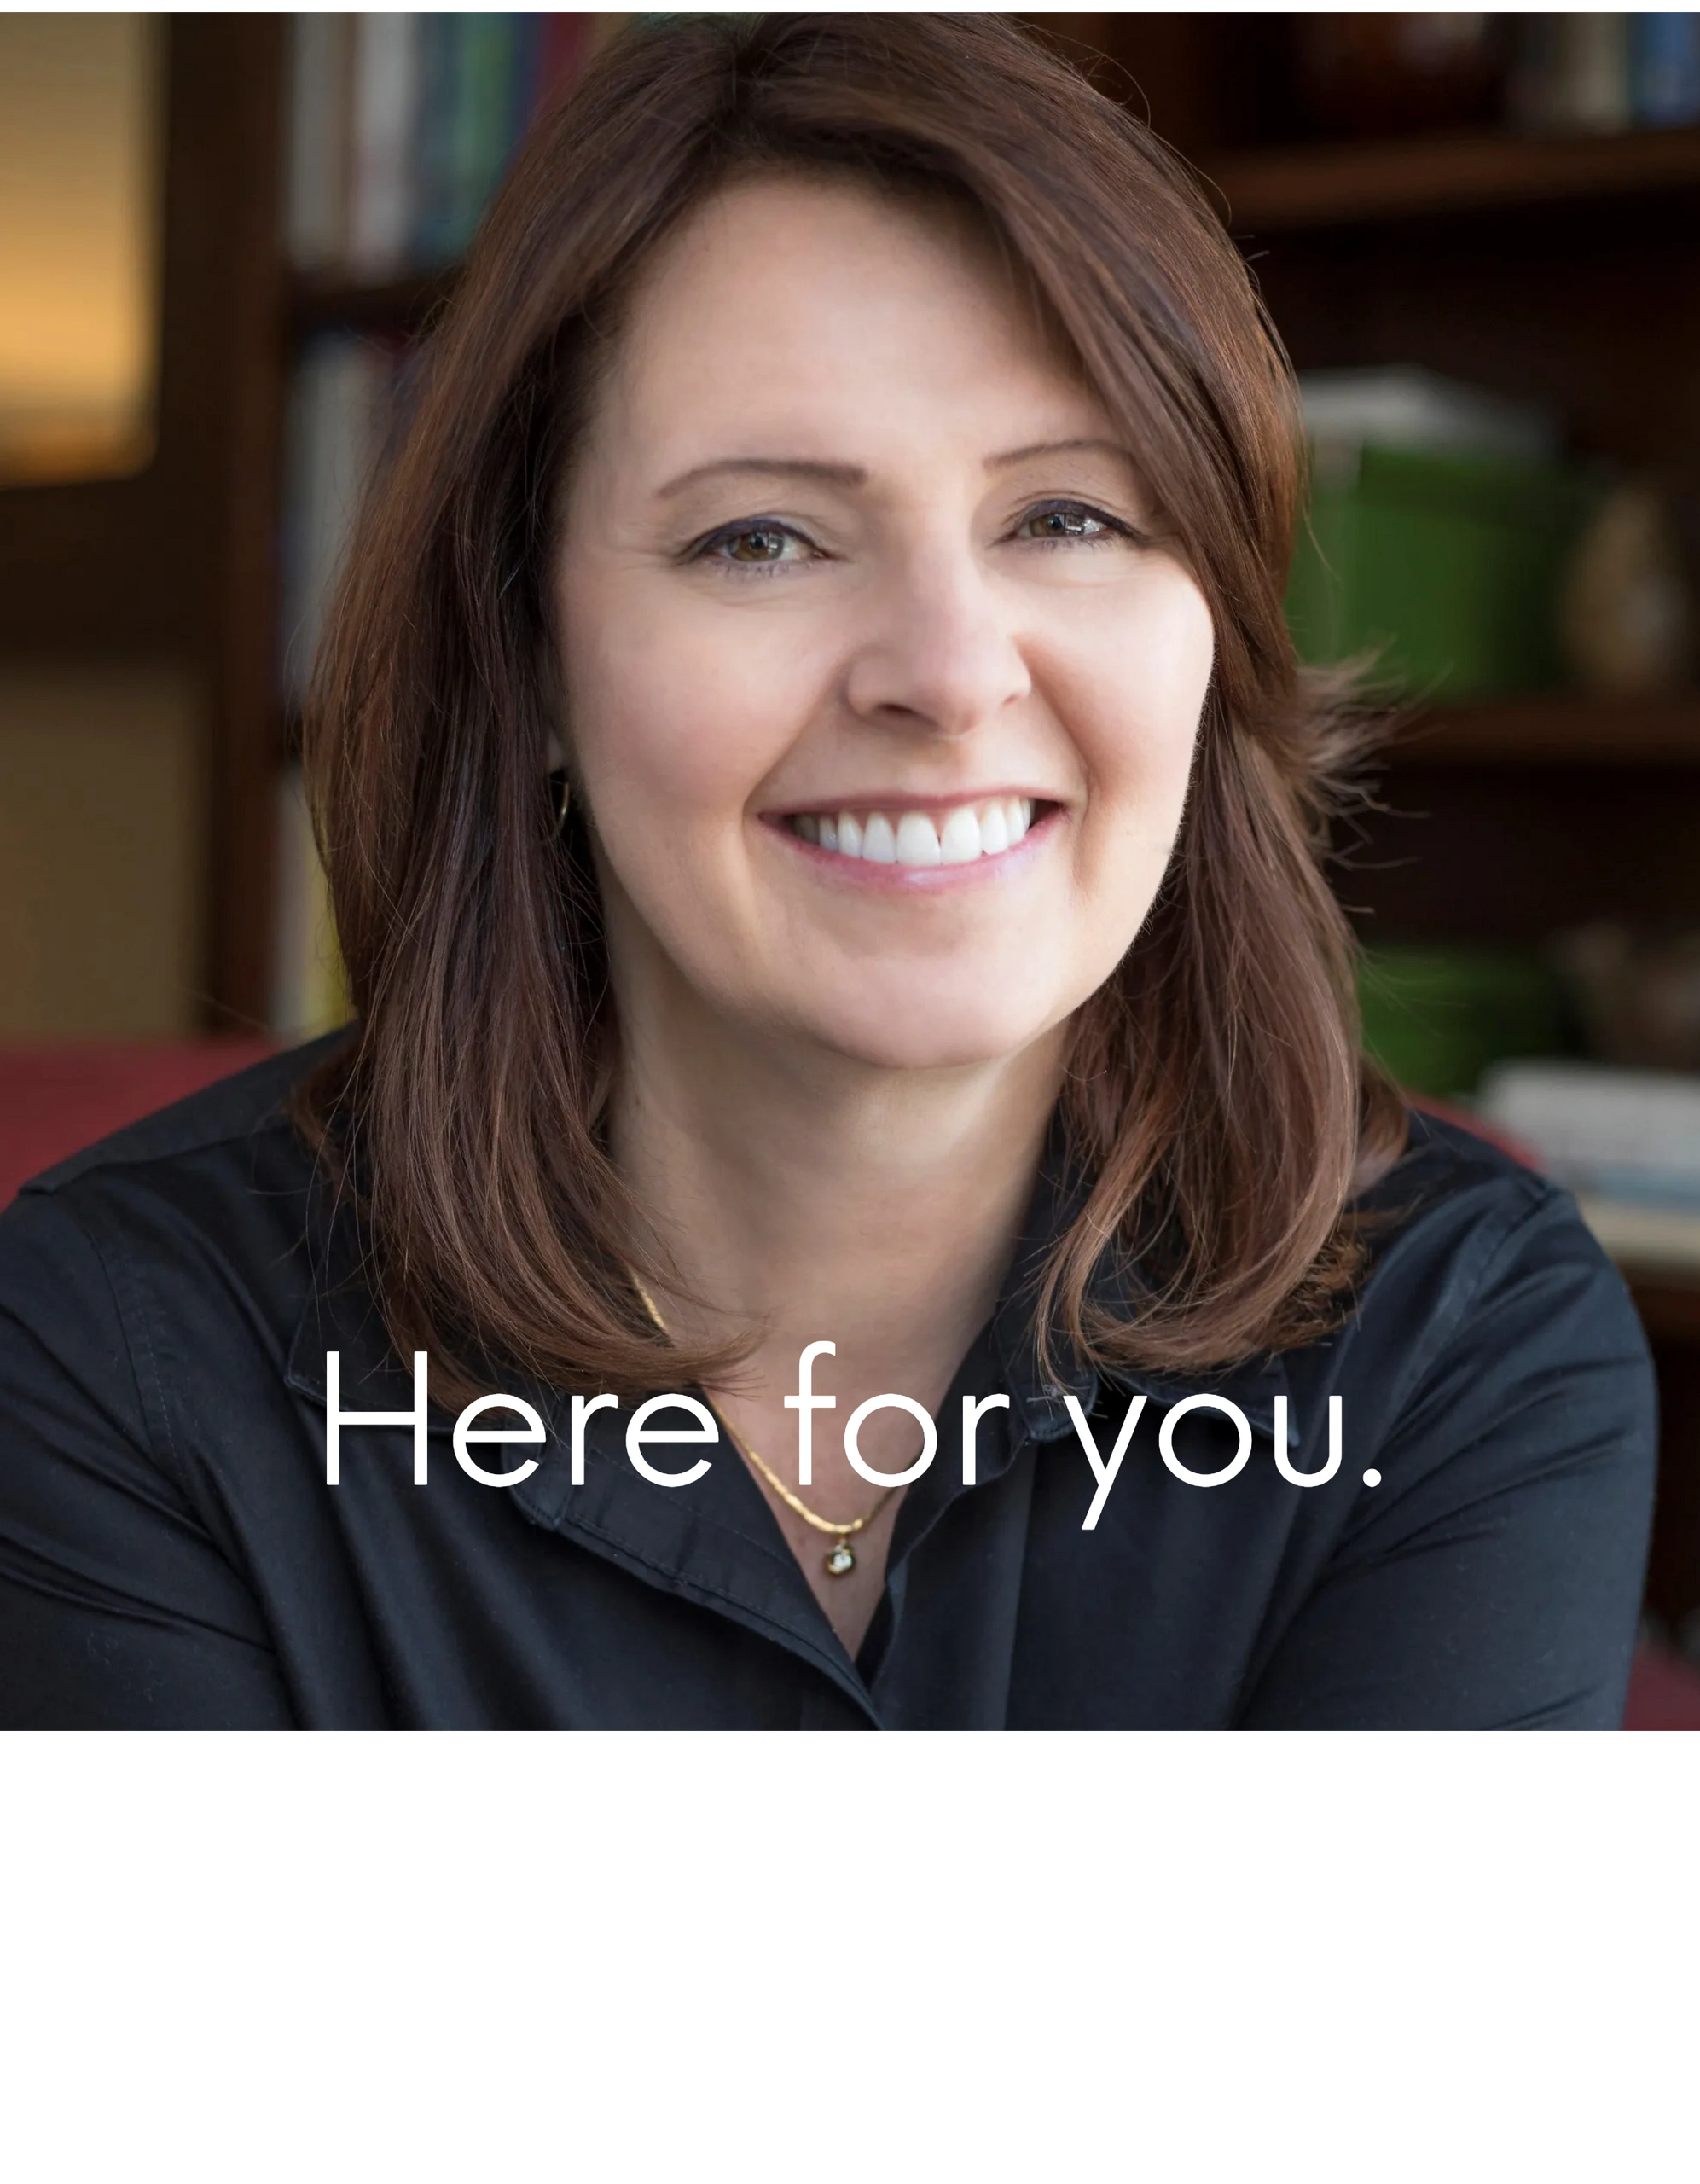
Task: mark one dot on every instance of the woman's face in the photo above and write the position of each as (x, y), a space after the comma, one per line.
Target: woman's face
(881, 695)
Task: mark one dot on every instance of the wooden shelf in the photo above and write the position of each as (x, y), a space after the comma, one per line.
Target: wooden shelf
(1340, 184)
(1669, 1308)
(402, 305)
(1559, 728)
(1282, 186)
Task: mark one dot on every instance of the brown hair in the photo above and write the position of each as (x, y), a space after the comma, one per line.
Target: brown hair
(1216, 1103)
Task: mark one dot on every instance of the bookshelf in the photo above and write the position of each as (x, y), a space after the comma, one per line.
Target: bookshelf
(1557, 266)
(1565, 268)
(1562, 265)
(1546, 809)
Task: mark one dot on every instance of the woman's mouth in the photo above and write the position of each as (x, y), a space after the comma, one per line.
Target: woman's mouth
(960, 834)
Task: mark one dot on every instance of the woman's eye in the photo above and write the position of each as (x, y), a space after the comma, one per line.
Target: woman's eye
(756, 546)
(1064, 521)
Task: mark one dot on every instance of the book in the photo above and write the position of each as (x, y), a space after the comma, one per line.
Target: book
(316, 188)
(1605, 72)
(340, 405)
(565, 44)
(1632, 1136)
(486, 98)
(1625, 1142)
(1571, 73)
(1596, 70)
(401, 127)
(431, 216)
(1644, 1239)
(384, 106)
(1664, 70)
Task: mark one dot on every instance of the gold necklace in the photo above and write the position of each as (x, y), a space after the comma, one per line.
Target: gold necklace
(840, 1558)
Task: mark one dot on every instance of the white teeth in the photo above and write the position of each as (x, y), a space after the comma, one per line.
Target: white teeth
(878, 842)
(917, 840)
(959, 843)
(967, 832)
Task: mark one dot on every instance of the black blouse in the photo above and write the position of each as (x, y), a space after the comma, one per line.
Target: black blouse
(171, 1555)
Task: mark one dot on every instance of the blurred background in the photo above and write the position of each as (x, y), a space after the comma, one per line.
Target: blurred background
(224, 239)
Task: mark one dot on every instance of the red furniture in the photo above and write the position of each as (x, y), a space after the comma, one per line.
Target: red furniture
(1664, 1690)
(54, 1100)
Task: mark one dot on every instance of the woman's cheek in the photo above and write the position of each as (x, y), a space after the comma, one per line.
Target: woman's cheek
(1137, 757)
(1145, 649)
(1172, 638)
(1168, 673)
(693, 713)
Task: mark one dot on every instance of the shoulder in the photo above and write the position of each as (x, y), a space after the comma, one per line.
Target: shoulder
(1483, 1277)
(1492, 1428)
(1459, 1197)
(191, 1225)
(172, 1258)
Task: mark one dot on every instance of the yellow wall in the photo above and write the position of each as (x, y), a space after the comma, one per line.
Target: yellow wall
(101, 863)
(80, 205)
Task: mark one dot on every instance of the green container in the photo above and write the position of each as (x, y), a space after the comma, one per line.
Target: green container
(1438, 1018)
(1452, 561)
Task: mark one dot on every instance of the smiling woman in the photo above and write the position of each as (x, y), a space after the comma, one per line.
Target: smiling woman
(887, 731)
(824, 819)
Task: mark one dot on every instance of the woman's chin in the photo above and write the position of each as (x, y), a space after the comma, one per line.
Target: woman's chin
(931, 1034)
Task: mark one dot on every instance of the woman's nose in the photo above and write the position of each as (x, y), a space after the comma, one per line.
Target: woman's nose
(939, 652)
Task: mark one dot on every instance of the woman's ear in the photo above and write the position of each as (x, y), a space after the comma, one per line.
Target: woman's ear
(548, 665)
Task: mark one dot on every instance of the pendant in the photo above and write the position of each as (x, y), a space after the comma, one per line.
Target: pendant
(839, 1560)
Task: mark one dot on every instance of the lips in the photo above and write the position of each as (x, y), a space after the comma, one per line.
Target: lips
(961, 833)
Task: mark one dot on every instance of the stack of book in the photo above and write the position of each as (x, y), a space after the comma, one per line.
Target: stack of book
(1627, 1141)
(1605, 72)
(401, 126)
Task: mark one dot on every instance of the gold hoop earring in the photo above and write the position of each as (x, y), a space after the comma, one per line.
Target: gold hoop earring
(565, 805)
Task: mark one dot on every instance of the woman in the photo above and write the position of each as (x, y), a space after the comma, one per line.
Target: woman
(823, 819)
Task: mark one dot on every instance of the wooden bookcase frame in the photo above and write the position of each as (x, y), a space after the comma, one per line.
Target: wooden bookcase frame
(177, 564)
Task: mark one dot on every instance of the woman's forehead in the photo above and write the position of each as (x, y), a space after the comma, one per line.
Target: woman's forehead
(809, 303)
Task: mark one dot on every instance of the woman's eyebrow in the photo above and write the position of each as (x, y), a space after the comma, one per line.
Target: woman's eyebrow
(851, 475)
(1060, 447)
(767, 466)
